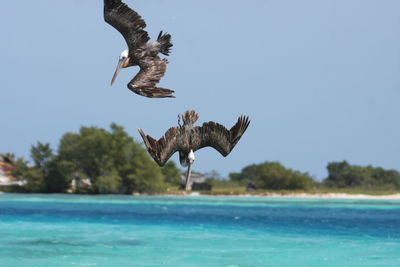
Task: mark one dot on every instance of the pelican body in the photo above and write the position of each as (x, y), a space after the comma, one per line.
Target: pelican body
(140, 51)
(187, 138)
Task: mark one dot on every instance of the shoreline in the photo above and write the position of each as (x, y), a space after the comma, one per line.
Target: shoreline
(291, 195)
(334, 196)
(302, 195)
(395, 196)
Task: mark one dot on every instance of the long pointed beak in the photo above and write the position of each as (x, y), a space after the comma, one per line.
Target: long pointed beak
(189, 172)
(119, 67)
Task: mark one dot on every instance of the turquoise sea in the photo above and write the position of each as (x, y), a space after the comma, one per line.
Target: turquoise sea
(121, 231)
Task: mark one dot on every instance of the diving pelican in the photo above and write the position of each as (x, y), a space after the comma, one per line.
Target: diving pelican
(187, 138)
(140, 52)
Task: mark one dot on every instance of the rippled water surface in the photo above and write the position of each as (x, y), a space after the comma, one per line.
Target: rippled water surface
(69, 230)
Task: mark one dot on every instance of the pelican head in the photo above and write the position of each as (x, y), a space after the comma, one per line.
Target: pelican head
(122, 63)
(191, 159)
(191, 156)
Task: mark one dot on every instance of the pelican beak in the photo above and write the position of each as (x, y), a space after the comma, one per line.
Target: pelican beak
(121, 63)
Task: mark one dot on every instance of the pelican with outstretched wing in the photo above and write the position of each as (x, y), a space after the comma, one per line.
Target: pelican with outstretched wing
(140, 52)
(187, 138)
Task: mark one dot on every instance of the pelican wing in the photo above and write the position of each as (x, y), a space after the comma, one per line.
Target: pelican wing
(164, 148)
(128, 22)
(151, 71)
(218, 137)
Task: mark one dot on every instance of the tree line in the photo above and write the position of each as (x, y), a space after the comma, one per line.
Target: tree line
(341, 175)
(93, 161)
(96, 160)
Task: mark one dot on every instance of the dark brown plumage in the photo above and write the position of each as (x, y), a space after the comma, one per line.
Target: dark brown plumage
(187, 137)
(140, 52)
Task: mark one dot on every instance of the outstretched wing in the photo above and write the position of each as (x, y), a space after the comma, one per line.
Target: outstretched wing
(164, 148)
(129, 23)
(151, 71)
(218, 137)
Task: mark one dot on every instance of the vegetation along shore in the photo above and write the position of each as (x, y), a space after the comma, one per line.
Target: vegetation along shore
(97, 160)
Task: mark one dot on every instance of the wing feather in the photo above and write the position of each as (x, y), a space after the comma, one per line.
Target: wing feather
(238, 129)
(144, 83)
(150, 73)
(215, 135)
(128, 22)
(164, 148)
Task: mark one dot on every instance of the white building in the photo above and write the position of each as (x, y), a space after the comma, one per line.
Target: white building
(5, 178)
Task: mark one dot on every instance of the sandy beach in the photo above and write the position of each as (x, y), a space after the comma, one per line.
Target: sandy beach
(294, 195)
(331, 195)
(298, 195)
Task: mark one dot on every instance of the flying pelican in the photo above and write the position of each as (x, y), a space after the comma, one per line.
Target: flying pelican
(140, 52)
(187, 138)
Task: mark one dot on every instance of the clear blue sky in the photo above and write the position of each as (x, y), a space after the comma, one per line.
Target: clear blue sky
(319, 79)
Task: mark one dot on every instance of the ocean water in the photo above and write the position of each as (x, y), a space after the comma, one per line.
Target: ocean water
(121, 231)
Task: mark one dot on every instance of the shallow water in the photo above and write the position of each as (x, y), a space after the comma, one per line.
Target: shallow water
(69, 230)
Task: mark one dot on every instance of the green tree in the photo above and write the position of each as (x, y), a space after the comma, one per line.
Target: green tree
(248, 173)
(97, 154)
(41, 154)
(171, 173)
(336, 172)
(8, 158)
(46, 175)
(273, 175)
(56, 177)
(344, 175)
(109, 183)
